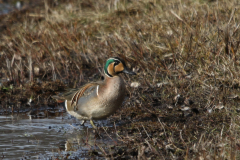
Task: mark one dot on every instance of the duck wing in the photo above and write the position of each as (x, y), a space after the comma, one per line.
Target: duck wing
(73, 95)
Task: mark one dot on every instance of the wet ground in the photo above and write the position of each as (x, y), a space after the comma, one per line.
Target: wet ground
(26, 137)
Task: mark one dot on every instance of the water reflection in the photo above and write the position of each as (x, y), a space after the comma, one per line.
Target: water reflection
(21, 137)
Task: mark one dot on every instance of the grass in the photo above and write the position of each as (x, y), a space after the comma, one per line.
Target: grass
(184, 52)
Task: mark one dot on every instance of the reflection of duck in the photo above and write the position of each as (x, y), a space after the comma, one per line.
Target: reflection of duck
(34, 113)
(69, 146)
(83, 141)
(76, 141)
(98, 100)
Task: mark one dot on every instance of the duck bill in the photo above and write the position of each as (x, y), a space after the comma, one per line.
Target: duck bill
(128, 71)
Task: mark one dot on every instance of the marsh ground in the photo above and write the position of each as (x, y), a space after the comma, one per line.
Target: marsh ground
(184, 101)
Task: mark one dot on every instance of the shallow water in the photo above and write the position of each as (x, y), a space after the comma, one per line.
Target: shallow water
(22, 137)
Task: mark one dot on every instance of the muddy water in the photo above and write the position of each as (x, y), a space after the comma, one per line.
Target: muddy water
(22, 137)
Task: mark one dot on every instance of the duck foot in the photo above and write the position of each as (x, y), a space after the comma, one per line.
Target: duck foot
(97, 133)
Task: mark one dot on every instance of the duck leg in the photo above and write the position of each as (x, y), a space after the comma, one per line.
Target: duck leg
(93, 125)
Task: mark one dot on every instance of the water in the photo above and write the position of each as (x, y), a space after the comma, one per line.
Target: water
(8, 6)
(5, 8)
(22, 137)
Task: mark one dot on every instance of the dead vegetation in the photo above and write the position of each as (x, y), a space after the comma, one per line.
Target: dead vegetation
(185, 101)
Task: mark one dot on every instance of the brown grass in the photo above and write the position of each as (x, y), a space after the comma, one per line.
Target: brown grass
(186, 54)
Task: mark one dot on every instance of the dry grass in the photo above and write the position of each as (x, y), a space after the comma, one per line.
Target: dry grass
(186, 54)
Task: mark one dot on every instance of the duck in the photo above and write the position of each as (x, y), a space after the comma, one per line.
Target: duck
(98, 100)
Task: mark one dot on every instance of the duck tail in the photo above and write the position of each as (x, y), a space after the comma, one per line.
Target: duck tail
(58, 98)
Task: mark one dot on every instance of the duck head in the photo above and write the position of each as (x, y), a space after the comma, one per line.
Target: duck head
(115, 66)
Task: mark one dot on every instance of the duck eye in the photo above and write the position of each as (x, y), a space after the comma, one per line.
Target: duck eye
(116, 63)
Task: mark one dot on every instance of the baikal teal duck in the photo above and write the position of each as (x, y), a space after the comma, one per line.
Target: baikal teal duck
(98, 100)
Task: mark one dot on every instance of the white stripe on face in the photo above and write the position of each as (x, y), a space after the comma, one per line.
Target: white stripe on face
(114, 59)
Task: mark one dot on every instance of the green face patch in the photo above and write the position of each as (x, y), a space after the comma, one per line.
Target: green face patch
(109, 61)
